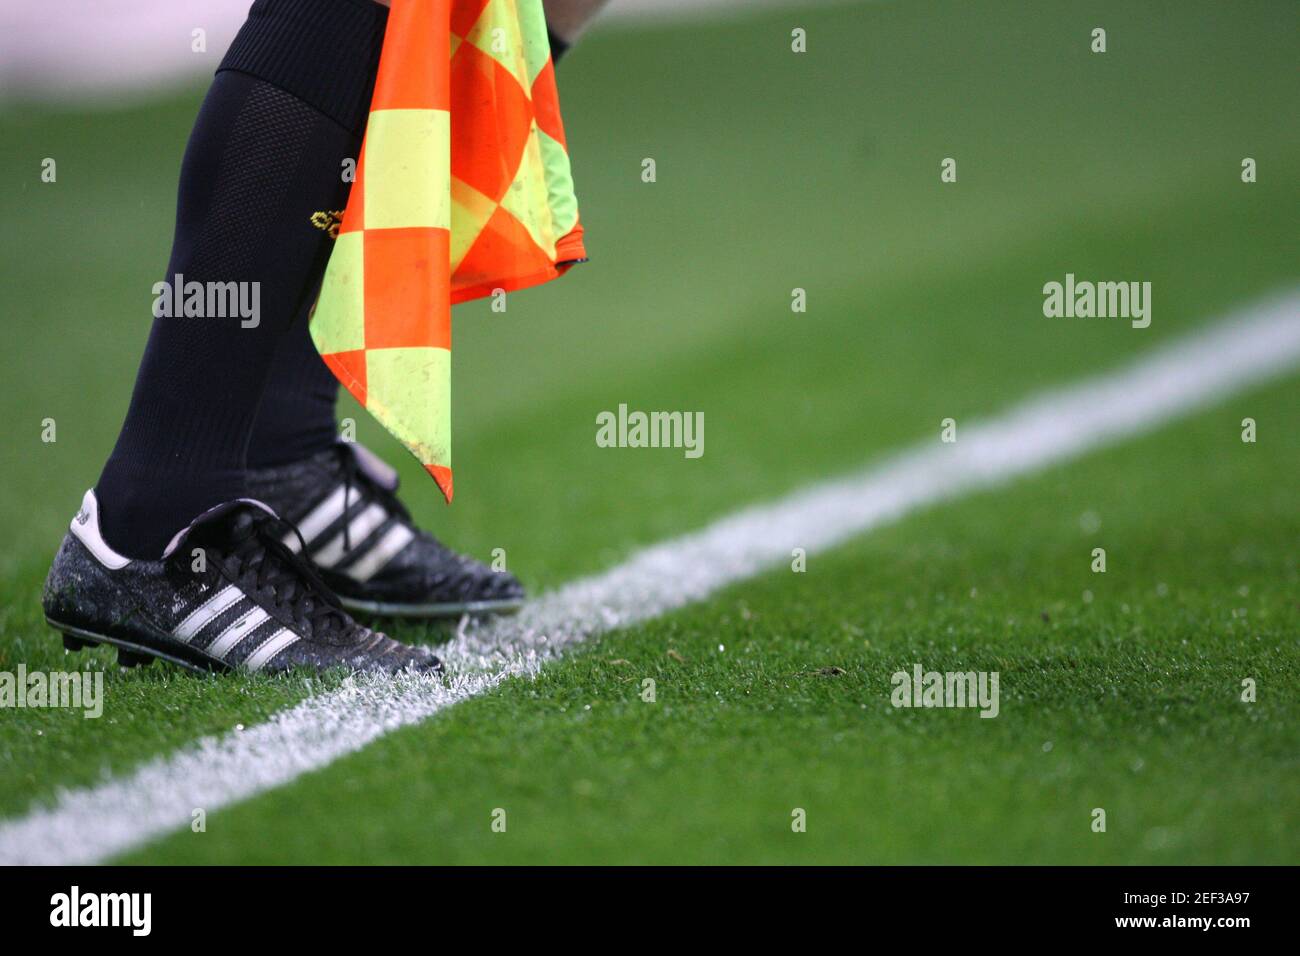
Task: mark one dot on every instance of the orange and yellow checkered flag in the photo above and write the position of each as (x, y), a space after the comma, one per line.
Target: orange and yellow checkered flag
(462, 188)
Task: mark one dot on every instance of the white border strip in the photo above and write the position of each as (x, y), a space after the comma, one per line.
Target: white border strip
(91, 824)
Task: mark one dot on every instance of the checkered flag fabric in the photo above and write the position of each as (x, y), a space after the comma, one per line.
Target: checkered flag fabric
(463, 187)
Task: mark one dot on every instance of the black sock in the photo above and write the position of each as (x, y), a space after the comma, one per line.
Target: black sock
(296, 418)
(287, 106)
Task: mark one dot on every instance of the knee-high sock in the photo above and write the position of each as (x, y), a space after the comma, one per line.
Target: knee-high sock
(286, 108)
(296, 418)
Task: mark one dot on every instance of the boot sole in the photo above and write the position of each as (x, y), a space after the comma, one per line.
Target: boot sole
(393, 609)
(131, 653)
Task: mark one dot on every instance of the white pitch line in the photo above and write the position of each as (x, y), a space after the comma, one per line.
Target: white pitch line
(94, 823)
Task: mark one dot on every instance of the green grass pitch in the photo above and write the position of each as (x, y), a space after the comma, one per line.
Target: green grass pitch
(775, 171)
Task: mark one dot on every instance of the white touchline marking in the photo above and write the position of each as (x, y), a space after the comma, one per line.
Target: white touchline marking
(90, 824)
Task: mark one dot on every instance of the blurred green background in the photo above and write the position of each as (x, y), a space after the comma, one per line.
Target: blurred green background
(775, 171)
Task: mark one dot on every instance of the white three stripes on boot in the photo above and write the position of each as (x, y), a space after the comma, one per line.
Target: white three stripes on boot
(372, 557)
(320, 518)
(205, 612)
(272, 646)
(385, 549)
(359, 528)
(235, 632)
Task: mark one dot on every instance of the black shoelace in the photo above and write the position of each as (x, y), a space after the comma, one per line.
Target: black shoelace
(254, 543)
(355, 477)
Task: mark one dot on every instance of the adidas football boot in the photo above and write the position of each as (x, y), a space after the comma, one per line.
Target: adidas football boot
(228, 594)
(361, 539)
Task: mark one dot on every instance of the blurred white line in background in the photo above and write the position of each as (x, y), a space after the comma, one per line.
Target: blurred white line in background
(105, 53)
